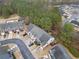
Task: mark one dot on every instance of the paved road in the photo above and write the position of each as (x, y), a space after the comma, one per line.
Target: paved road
(23, 48)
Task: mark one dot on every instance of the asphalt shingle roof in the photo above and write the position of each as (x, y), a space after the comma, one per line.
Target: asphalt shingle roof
(59, 52)
(11, 26)
(44, 38)
(39, 33)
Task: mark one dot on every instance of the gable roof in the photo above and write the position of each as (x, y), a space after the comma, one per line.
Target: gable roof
(59, 52)
(44, 38)
(39, 33)
(36, 31)
(11, 26)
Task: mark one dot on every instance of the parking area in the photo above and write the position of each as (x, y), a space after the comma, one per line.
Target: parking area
(70, 14)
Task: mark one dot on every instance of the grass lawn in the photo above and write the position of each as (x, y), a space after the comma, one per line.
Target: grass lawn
(72, 50)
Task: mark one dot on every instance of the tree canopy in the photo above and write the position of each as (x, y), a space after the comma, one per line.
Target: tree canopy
(37, 10)
(67, 33)
(5, 10)
(68, 27)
